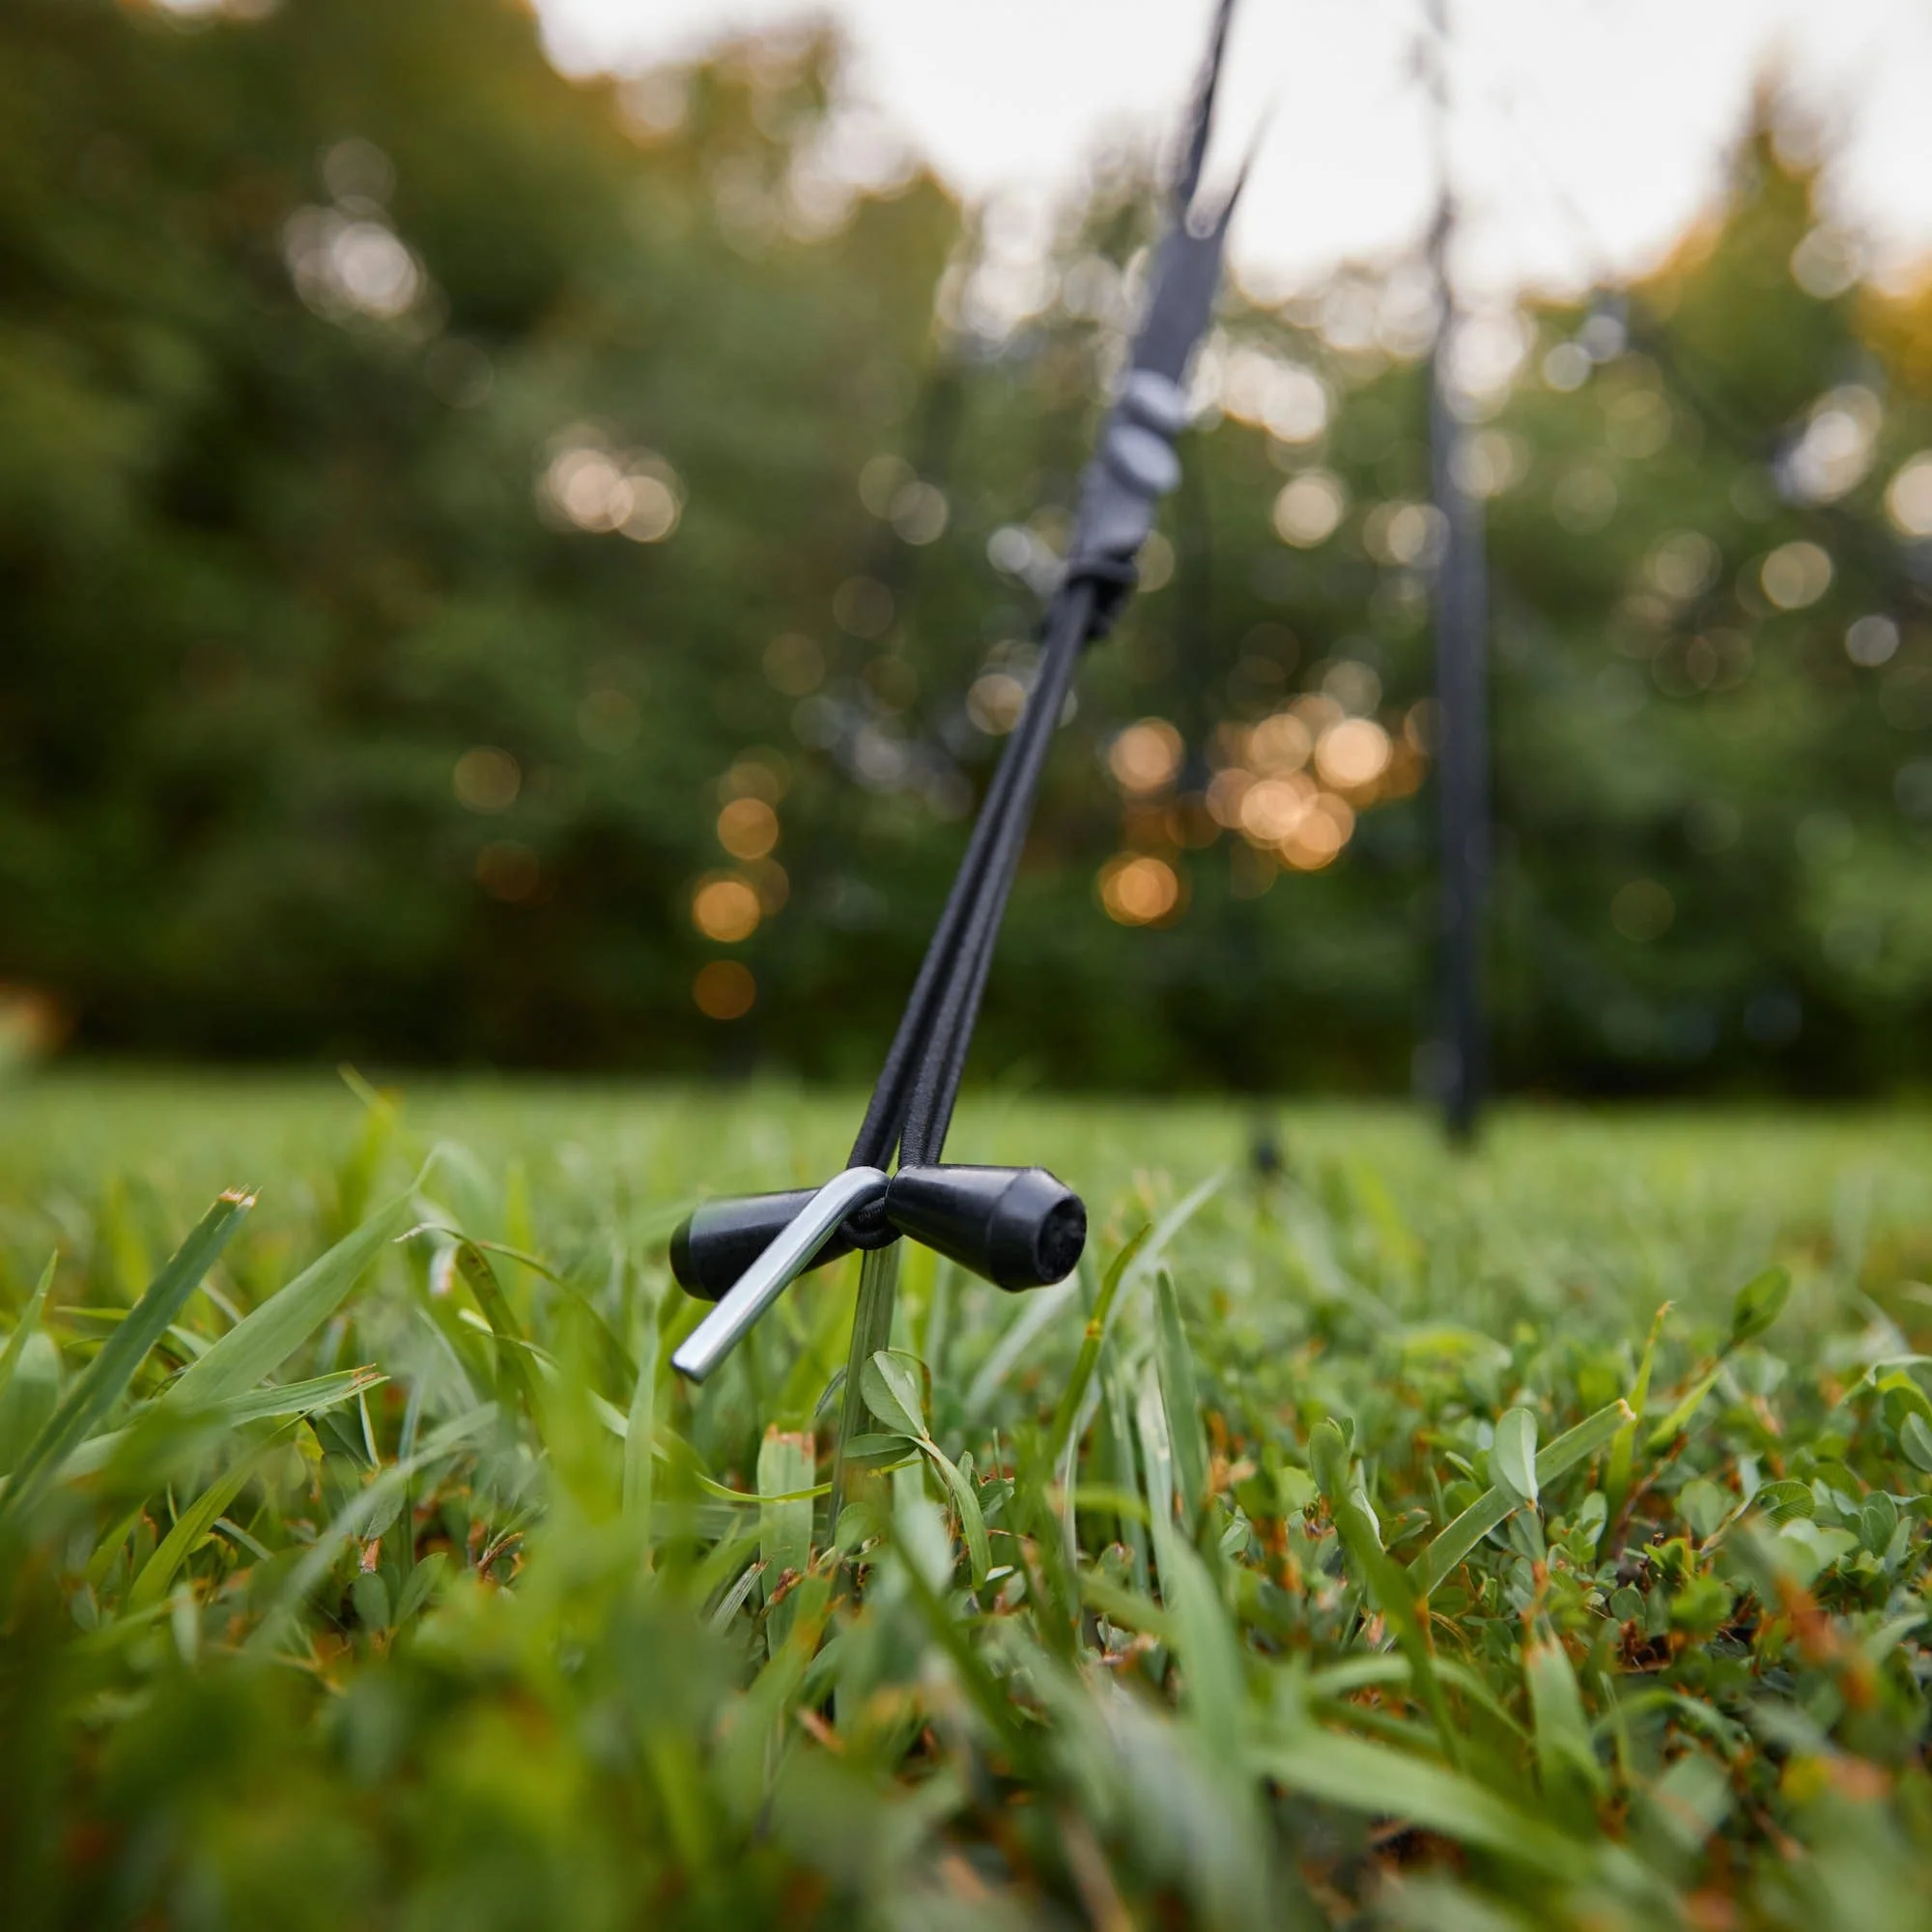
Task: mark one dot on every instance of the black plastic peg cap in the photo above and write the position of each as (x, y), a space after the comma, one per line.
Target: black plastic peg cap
(716, 1243)
(1017, 1227)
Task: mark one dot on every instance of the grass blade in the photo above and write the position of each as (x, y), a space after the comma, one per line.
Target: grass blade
(1674, 1424)
(984, 1690)
(1566, 1760)
(1063, 1417)
(105, 1379)
(639, 1427)
(1156, 1457)
(264, 1404)
(786, 1467)
(28, 1324)
(1382, 1580)
(1212, 1690)
(1181, 1395)
(1617, 1471)
(189, 1528)
(1494, 1505)
(513, 1349)
(363, 1509)
(871, 1331)
(1380, 1782)
(972, 1519)
(260, 1344)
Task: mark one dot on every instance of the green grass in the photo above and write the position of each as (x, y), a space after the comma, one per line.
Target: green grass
(1294, 1565)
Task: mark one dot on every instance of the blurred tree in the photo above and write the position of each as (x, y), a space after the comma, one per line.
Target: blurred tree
(501, 569)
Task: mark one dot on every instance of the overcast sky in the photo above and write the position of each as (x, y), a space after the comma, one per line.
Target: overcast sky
(1585, 130)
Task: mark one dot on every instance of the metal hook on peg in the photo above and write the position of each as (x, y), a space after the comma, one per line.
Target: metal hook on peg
(793, 1250)
(1016, 1226)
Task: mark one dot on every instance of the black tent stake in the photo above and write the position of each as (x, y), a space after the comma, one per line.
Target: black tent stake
(1018, 1226)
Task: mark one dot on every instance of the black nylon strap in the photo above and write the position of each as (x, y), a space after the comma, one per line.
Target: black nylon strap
(885, 1115)
(936, 1085)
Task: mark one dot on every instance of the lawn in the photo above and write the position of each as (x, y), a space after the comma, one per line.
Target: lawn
(1537, 1538)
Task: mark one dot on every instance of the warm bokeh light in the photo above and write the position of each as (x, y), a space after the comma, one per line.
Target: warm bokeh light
(1339, 812)
(1684, 564)
(763, 774)
(1871, 640)
(1320, 835)
(747, 828)
(1836, 450)
(1280, 744)
(1317, 711)
(1252, 387)
(1352, 754)
(1403, 533)
(1491, 462)
(487, 779)
(725, 908)
(345, 264)
(1567, 367)
(1796, 574)
(1317, 843)
(725, 989)
(601, 490)
(1826, 263)
(1138, 890)
(1908, 496)
(588, 488)
(995, 701)
(1226, 790)
(917, 509)
(653, 511)
(1309, 510)
(1146, 758)
(919, 513)
(1272, 808)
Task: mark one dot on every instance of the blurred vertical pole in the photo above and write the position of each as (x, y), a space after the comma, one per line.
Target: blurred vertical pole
(1461, 672)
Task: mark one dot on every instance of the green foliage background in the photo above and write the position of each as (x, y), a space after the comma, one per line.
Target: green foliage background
(270, 570)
